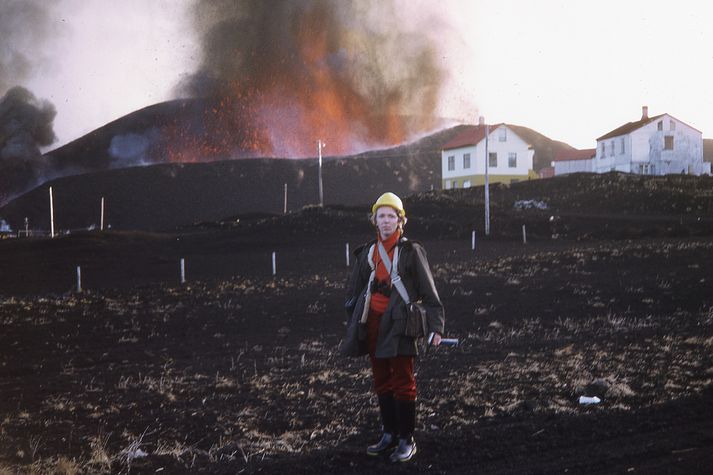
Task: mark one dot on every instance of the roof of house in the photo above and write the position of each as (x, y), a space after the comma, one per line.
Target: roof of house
(470, 136)
(630, 127)
(574, 154)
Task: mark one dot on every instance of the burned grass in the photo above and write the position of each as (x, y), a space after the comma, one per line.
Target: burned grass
(243, 374)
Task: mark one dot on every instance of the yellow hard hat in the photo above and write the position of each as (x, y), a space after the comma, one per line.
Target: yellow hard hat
(389, 199)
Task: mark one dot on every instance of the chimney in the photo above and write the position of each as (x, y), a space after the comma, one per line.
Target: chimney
(481, 121)
(644, 112)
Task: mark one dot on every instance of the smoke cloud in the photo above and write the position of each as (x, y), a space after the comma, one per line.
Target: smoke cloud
(25, 25)
(345, 70)
(25, 124)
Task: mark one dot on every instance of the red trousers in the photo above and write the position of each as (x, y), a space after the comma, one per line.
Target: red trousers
(391, 375)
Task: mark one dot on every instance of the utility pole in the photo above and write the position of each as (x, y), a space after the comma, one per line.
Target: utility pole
(487, 184)
(320, 146)
(284, 209)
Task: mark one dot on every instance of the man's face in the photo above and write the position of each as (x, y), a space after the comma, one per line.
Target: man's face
(387, 221)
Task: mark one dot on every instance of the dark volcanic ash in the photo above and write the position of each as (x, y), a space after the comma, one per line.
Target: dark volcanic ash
(25, 121)
(286, 72)
(25, 126)
(25, 25)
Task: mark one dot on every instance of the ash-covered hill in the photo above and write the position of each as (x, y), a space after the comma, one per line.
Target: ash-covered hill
(161, 197)
(167, 195)
(198, 131)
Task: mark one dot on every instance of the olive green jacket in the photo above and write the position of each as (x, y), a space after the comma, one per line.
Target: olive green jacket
(416, 275)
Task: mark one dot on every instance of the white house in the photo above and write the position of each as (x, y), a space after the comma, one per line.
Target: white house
(463, 157)
(656, 145)
(573, 161)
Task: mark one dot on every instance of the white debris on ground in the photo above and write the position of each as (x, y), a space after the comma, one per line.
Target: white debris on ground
(530, 204)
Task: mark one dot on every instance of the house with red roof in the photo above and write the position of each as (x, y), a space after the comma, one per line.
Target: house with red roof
(463, 158)
(657, 145)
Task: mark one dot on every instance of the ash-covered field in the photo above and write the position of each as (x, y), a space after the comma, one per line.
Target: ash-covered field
(237, 371)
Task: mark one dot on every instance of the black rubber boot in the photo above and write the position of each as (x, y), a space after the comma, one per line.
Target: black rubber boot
(389, 439)
(406, 416)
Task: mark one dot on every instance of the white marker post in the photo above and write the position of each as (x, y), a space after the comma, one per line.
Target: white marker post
(347, 254)
(79, 279)
(472, 241)
(524, 235)
(274, 263)
(183, 270)
(101, 220)
(51, 214)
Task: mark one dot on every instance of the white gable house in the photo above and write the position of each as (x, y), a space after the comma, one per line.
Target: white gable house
(656, 145)
(463, 157)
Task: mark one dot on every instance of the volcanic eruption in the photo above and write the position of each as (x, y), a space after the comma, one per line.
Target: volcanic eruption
(274, 76)
(279, 74)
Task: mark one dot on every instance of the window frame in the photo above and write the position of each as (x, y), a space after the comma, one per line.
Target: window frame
(512, 159)
(668, 142)
(492, 159)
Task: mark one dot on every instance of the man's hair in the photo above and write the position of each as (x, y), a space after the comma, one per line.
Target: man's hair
(402, 219)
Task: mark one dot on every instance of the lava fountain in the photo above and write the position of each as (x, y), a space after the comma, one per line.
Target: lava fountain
(279, 74)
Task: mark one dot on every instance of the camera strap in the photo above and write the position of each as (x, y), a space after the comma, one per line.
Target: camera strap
(391, 269)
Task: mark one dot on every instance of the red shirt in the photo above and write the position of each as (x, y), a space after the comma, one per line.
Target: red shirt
(379, 302)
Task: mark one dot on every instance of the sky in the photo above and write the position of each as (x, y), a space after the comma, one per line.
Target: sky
(572, 70)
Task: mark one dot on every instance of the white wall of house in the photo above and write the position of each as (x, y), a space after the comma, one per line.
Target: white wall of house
(613, 154)
(562, 167)
(503, 142)
(647, 150)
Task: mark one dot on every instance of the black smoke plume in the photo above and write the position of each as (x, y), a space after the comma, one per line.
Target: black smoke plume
(25, 26)
(25, 121)
(25, 126)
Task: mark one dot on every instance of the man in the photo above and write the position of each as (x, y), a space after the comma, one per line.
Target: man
(378, 312)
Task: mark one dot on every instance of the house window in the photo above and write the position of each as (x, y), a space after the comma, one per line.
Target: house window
(466, 160)
(671, 125)
(623, 146)
(611, 148)
(466, 184)
(668, 142)
(601, 155)
(493, 159)
(512, 160)
(451, 163)
(503, 134)
(448, 184)
(660, 125)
